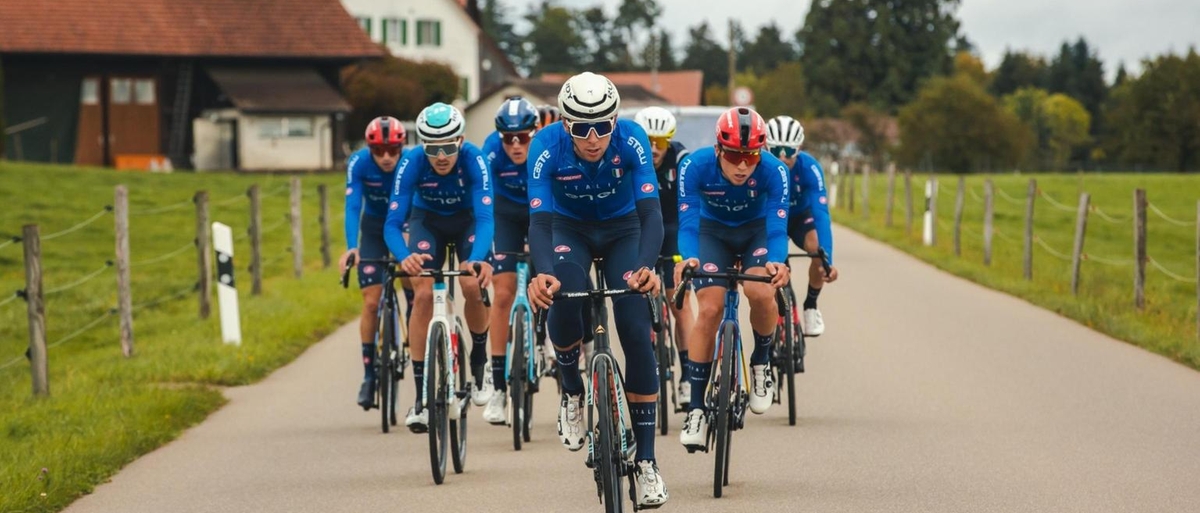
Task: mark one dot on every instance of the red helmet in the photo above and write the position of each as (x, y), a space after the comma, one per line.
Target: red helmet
(385, 131)
(741, 128)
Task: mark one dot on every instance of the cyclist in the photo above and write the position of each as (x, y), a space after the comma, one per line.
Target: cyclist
(808, 217)
(659, 124)
(368, 181)
(548, 115)
(445, 183)
(593, 193)
(506, 151)
(733, 200)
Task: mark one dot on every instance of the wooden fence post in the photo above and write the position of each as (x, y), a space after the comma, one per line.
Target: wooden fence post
(297, 235)
(1029, 228)
(203, 253)
(1080, 231)
(1139, 248)
(1198, 271)
(36, 310)
(958, 213)
(908, 201)
(866, 192)
(850, 190)
(891, 193)
(988, 214)
(324, 219)
(124, 292)
(255, 241)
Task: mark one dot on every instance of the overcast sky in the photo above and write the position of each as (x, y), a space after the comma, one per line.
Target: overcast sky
(1120, 30)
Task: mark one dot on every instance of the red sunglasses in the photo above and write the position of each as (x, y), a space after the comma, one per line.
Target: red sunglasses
(737, 157)
(511, 138)
(380, 150)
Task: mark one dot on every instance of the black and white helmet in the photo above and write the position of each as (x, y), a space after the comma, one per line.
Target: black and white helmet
(588, 97)
(784, 131)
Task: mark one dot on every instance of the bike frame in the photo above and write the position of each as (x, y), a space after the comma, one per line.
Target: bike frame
(443, 310)
(732, 298)
(522, 307)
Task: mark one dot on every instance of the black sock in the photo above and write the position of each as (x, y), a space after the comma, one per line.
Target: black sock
(643, 428)
(479, 348)
(368, 355)
(810, 302)
(419, 377)
(683, 359)
(762, 349)
(699, 377)
(568, 370)
(498, 374)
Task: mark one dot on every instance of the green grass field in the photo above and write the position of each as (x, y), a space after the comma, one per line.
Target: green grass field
(105, 410)
(1105, 302)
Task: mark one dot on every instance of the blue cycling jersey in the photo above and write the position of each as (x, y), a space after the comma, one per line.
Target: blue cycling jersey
(704, 193)
(509, 176)
(364, 181)
(808, 198)
(466, 187)
(562, 183)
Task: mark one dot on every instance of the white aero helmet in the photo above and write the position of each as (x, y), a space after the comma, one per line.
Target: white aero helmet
(657, 121)
(439, 122)
(784, 131)
(588, 97)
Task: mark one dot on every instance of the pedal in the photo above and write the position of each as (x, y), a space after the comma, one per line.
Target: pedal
(693, 448)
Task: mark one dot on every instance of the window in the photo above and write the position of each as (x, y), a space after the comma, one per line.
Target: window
(143, 91)
(464, 89)
(278, 128)
(121, 90)
(89, 94)
(365, 23)
(429, 33)
(395, 31)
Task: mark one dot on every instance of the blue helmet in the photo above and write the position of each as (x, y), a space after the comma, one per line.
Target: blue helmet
(516, 114)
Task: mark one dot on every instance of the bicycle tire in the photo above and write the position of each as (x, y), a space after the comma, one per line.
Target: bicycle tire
(662, 350)
(789, 365)
(397, 365)
(517, 375)
(724, 409)
(383, 372)
(610, 472)
(458, 419)
(435, 399)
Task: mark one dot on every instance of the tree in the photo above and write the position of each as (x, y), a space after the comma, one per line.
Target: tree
(767, 51)
(1027, 105)
(971, 66)
(1078, 73)
(705, 54)
(1155, 118)
(633, 15)
(1068, 124)
(3, 137)
(1121, 76)
(494, 18)
(554, 43)
(875, 51)
(604, 52)
(782, 92)
(872, 127)
(666, 52)
(395, 87)
(954, 124)
(1018, 70)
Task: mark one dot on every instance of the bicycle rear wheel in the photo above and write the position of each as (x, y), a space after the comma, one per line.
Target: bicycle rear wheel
(724, 408)
(516, 379)
(436, 388)
(458, 417)
(385, 381)
(606, 422)
(789, 365)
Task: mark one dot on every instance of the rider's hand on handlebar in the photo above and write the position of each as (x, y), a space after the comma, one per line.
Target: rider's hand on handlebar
(542, 289)
(833, 275)
(484, 275)
(679, 267)
(644, 280)
(780, 275)
(344, 260)
(414, 264)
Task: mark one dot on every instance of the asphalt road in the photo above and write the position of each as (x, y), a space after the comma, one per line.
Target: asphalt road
(927, 393)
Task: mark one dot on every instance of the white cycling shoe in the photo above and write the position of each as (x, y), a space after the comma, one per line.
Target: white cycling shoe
(694, 435)
(483, 394)
(496, 411)
(762, 388)
(417, 423)
(650, 489)
(570, 421)
(814, 326)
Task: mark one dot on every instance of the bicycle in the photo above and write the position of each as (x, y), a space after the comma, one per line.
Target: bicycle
(789, 345)
(391, 357)
(665, 349)
(447, 389)
(726, 397)
(526, 361)
(611, 444)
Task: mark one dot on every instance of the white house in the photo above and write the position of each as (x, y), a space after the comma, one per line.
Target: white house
(436, 30)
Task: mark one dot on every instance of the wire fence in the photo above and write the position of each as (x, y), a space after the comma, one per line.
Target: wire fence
(80, 281)
(164, 257)
(1168, 218)
(79, 226)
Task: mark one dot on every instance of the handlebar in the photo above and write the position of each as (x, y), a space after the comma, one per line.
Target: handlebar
(540, 315)
(428, 273)
(731, 277)
(819, 254)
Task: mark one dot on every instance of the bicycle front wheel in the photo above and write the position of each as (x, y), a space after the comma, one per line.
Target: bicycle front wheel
(436, 389)
(516, 379)
(458, 416)
(724, 408)
(383, 373)
(606, 423)
(662, 350)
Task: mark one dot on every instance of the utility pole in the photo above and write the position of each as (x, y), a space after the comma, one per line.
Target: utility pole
(654, 62)
(732, 58)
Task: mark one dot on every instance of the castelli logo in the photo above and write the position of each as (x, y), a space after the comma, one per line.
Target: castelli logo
(616, 160)
(760, 251)
(781, 213)
(369, 269)
(535, 203)
(683, 207)
(752, 182)
(823, 200)
(710, 267)
(395, 205)
(471, 239)
(423, 244)
(501, 257)
(487, 200)
(648, 188)
(628, 274)
(349, 191)
(562, 248)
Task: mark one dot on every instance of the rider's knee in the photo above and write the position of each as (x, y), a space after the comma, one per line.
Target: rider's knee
(758, 293)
